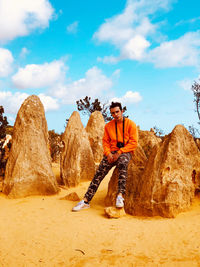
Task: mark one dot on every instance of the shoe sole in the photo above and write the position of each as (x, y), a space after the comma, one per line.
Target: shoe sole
(81, 209)
(119, 207)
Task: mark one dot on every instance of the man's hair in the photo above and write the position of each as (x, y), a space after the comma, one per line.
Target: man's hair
(116, 104)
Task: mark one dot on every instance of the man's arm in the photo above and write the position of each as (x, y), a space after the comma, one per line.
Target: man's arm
(106, 146)
(133, 139)
(106, 142)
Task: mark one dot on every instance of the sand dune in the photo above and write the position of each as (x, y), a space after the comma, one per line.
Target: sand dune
(42, 231)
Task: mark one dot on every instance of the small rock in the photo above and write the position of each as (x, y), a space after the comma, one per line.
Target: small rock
(112, 212)
(72, 196)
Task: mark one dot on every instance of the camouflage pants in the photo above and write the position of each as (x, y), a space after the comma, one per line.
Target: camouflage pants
(104, 167)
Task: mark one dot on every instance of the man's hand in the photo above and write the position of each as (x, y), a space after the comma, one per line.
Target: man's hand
(110, 158)
(115, 157)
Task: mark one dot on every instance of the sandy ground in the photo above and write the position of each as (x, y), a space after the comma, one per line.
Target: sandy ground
(42, 231)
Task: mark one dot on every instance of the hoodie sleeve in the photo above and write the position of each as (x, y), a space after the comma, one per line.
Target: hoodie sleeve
(106, 142)
(131, 145)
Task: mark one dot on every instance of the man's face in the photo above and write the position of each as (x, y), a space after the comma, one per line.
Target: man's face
(117, 113)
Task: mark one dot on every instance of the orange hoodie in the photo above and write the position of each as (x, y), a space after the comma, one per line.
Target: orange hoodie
(110, 139)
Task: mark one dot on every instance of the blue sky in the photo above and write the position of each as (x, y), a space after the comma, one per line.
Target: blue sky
(144, 53)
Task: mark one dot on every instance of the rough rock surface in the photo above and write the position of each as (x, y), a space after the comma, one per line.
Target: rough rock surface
(95, 130)
(112, 212)
(148, 139)
(28, 170)
(77, 161)
(5, 146)
(198, 143)
(168, 182)
(135, 168)
(72, 197)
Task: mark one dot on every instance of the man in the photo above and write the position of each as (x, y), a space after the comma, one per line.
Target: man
(119, 141)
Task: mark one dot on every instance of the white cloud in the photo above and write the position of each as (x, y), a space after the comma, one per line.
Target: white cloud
(135, 48)
(186, 84)
(129, 30)
(133, 33)
(117, 29)
(129, 98)
(13, 101)
(19, 18)
(24, 52)
(177, 53)
(109, 59)
(116, 73)
(93, 84)
(49, 102)
(189, 21)
(72, 28)
(37, 76)
(6, 60)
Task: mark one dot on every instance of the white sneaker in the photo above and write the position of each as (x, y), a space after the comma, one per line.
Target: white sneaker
(80, 206)
(119, 202)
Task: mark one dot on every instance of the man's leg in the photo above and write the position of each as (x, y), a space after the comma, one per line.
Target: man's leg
(103, 169)
(122, 165)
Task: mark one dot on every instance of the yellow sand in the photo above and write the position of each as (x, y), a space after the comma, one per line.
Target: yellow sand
(42, 231)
